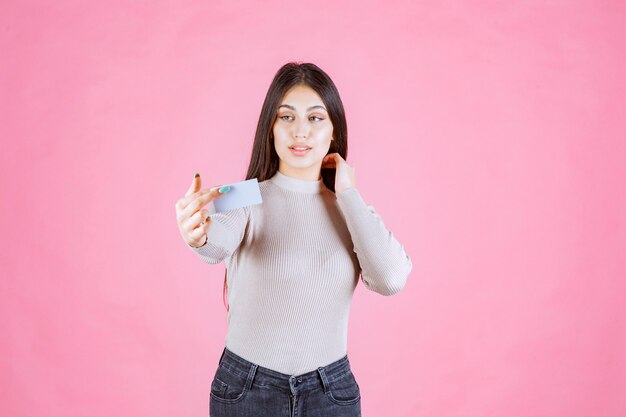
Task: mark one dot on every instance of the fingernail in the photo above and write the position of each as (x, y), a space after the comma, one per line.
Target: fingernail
(197, 175)
(224, 189)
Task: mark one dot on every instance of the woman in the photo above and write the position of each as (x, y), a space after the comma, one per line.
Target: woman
(293, 261)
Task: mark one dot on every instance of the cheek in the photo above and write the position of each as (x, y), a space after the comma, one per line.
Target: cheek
(325, 132)
(327, 136)
(280, 146)
(281, 135)
(279, 141)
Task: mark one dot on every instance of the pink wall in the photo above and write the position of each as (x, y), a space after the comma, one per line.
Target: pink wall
(489, 135)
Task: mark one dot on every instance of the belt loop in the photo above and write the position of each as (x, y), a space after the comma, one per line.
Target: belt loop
(221, 357)
(322, 373)
(251, 374)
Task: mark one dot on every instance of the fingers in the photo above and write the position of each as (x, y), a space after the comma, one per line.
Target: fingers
(195, 185)
(198, 221)
(192, 193)
(197, 236)
(331, 160)
(184, 202)
(199, 200)
(194, 222)
(196, 198)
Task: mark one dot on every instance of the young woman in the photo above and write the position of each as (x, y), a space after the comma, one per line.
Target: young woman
(293, 262)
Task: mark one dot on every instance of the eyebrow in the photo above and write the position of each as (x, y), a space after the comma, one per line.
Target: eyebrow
(310, 108)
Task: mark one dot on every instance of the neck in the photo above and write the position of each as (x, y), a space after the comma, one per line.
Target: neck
(311, 173)
(298, 184)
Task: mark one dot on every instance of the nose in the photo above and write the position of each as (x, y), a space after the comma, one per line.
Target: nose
(301, 129)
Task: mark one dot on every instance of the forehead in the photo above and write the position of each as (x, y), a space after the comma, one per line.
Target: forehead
(301, 96)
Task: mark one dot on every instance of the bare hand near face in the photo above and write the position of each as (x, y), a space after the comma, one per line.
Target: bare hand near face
(344, 176)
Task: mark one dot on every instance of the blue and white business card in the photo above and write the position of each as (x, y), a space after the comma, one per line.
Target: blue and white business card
(241, 194)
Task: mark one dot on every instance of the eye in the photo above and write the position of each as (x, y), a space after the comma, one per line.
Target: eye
(283, 117)
(315, 117)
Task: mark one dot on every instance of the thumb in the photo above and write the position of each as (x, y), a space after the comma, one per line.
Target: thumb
(195, 185)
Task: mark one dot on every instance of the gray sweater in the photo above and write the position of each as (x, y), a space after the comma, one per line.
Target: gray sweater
(293, 263)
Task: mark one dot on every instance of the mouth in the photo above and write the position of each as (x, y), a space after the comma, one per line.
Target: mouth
(300, 150)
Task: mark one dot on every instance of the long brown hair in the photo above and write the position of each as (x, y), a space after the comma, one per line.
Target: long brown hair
(264, 159)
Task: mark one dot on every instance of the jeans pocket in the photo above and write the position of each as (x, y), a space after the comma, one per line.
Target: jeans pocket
(345, 390)
(228, 386)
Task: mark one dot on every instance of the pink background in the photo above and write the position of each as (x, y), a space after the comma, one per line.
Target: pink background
(490, 135)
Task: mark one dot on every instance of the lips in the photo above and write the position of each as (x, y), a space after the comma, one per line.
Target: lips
(296, 152)
(300, 147)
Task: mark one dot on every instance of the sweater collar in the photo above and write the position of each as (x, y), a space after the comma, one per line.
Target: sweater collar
(296, 184)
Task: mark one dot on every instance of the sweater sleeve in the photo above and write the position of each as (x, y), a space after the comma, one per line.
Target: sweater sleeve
(224, 236)
(385, 265)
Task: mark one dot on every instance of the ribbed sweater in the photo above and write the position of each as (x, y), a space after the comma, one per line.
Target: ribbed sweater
(293, 263)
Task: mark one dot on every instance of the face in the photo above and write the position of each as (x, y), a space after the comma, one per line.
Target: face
(302, 122)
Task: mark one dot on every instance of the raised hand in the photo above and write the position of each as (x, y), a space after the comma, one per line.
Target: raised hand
(194, 223)
(344, 173)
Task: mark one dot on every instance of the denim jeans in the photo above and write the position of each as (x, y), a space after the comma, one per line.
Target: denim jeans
(245, 389)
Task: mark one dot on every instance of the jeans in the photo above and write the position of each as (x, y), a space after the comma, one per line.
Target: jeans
(244, 389)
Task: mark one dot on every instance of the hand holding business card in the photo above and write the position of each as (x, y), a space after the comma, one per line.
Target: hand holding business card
(194, 222)
(241, 194)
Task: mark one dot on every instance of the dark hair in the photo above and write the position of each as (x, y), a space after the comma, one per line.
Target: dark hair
(264, 160)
